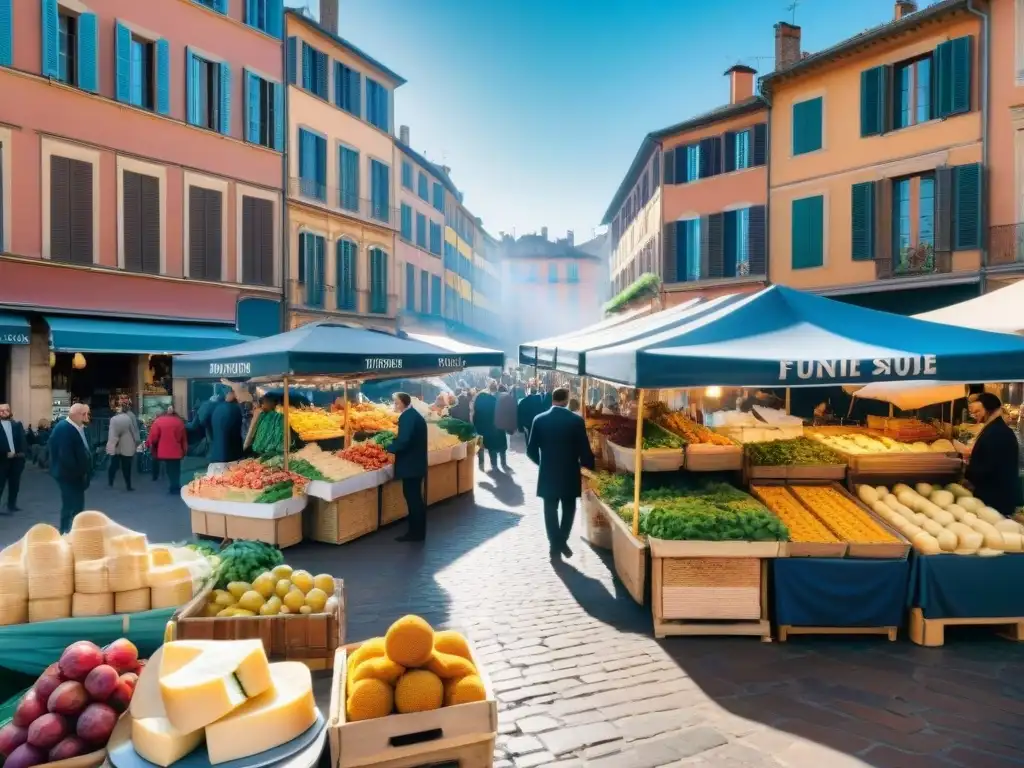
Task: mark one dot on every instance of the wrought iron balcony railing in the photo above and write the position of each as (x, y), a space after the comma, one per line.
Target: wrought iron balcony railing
(343, 201)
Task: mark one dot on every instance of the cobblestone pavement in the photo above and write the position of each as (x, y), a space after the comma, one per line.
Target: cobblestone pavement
(580, 679)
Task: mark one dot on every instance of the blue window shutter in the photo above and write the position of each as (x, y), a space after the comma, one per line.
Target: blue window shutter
(163, 77)
(357, 91)
(279, 117)
(293, 59)
(862, 221)
(220, 6)
(6, 34)
(252, 106)
(51, 38)
(225, 99)
(968, 207)
(307, 66)
(190, 89)
(122, 52)
(808, 232)
(872, 101)
(807, 128)
(321, 165)
(88, 48)
(275, 18)
(250, 13)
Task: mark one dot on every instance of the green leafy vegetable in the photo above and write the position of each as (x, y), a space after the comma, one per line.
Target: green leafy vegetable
(244, 560)
(800, 451)
(461, 429)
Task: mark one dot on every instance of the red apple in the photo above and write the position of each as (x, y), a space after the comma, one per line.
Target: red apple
(11, 737)
(122, 655)
(69, 698)
(48, 682)
(101, 681)
(97, 723)
(47, 731)
(121, 697)
(79, 659)
(25, 756)
(29, 708)
(69, 746)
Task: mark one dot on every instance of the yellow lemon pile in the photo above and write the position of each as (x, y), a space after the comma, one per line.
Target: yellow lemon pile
(411, 669)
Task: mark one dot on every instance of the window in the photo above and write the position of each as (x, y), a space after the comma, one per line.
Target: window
(265, 15)
(347, 276)
(435, 295)
(380, 191)
(348, 91)
(220, 6)
(421, 230)
(348, 175)
(69, 44)
(736, 256)
(209, 96)
(807, 132)
(141, 223)
(913, 224)
(378, 105)
(264, 112)
(742, 151)
(312, 165)
(422, 186)
(552, 273)
(407, 174)
(913, 93)
(438, 197)
(410, 288)
(688, 250)
(406, 222)
(807, 231)
(67, 48)
(314, 70)
(378, 281)
(205, 233)
(435, 238)
(691, 158)
(425, 292)
(71, 219)
(257, 241)
(311, 268)
(141, 89)
(573, 272)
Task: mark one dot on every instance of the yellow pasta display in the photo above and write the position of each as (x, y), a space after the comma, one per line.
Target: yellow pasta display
(844, 518)
(803, 526)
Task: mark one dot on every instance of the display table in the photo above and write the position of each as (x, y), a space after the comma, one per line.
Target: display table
(947, 590)
(834, 596)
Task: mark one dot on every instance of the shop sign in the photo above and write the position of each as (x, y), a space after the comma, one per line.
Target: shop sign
(843, 370)
(14, 338)
(382, 364)
(230, 369)
(449, 362)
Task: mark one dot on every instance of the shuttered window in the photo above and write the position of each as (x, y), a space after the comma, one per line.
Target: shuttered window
(759, 144)
(435, 295)
(425, 305)
(406, 222)
(141, 220)
(348, 90)
(421, 230)
(348, 173)
(968, 207)
(71, 202)
(435, 238)
(380, 191)
(264, 112)
(312, 165)
(378, 105)
(736, 244)
(7, 33)
(807, 128)
(311, 267)
(410, 288)
(862, 221)
(205, 233)
(952, 64)
(407, 174)
(265, 15)
(757, 246)
(423, 186)
(378, 281)
(257, 241)
(874, 97)
(688, 250)
(208, 89)
(438, 197)
(314, 70)
(347, 268)
(807, 225)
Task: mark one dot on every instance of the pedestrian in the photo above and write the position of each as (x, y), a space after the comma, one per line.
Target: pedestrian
(122, 445)
(37, 440)
(460, 410)
(529, 408)
(71, 462)
(222, 425)
(13, 447)
(410, 449)
(560, 447)
(505, 418)
(168, 444)
(484, 409)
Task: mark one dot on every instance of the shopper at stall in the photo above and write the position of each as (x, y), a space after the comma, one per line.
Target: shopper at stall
(559, 446)
(495, 440)
(993, 469)
(460, 410)
(122, 445)
(410, 449)
(225, 430)
(168, 443)
(13, 447)
(71, 462)
(505, 414)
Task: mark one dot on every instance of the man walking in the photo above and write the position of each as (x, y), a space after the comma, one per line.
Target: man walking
(13, 447)
(168, 444)
(71, 462)
(122, 444)
(410, 449)
(559, 446)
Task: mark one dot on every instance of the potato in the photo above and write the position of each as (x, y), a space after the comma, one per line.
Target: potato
(882, 491)
(989, 515)
(1007, 526)
(958, 490)
(900, 488)
(908, 499)
(994, 540)
(947, 541)
(956, 511)
(926, 544)
(1013, 542)
(942, 498)
(930, 526)
(910, 531)
(867, 494)
(925, 489)
(970, 503)
(920, 519)
(972, 540)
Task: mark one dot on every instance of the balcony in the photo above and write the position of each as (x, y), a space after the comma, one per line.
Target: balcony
(1006, 245)
(915, 261)
(327, 299)
(342, 202)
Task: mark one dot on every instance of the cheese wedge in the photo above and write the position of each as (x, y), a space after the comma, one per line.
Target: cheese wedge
(147, 701)
(269, 720)
(223, 677)
(159, 742)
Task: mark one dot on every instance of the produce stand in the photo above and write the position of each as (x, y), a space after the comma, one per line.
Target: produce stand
(442, 482)
(392, 503)
(596, 528)
(279, 523)
(631, 556)
(466, 480)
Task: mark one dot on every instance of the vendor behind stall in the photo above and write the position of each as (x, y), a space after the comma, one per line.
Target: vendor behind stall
(993, 468)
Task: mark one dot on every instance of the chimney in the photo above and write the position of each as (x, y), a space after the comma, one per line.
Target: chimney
(403, 134)
(329, 15)
(787, 45)
(570, 238)
(904, 8)
(741, 83)
(447, 170)
(544, 232)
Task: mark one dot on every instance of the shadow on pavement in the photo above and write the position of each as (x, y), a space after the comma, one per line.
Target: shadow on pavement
(504, 488)
(609, 606)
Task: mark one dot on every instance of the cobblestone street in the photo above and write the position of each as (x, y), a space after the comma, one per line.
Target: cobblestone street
(582, 682)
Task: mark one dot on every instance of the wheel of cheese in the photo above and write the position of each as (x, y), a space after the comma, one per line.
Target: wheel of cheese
(13, 610)
(88, 543)
(13, 580)
(14, 553)
(92, 577)
(90, 518)
(128, 571)
(41, 533)
(92, 605)
(127, 543)
(171, 595)
(165, 575)
(49, 609)
(132, 601)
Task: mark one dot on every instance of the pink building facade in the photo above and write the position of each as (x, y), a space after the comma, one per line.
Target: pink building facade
(141, 153)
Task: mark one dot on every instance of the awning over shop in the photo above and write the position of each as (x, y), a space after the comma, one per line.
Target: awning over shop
(334, 349)
(459, 348)
(85, 334)
(543, 353)
(780, 337)
(14, 329)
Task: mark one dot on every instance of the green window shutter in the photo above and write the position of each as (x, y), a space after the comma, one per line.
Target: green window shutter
(808, 232)
(807, 129)
(952, 64)
(968, 207)
(862, 221)
(872, 101)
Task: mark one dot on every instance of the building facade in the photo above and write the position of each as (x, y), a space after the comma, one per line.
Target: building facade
(141, 207)
(342, 213)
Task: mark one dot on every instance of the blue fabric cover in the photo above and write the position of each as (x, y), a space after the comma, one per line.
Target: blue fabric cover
(966, 586)
(839, 592)
(86, 334)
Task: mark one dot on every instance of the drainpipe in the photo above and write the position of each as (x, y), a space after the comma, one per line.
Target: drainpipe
(986, 38)
(286, 235)
(768, 196)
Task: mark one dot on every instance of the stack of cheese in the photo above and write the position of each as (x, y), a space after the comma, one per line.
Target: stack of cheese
(222, 692)
(49, 567)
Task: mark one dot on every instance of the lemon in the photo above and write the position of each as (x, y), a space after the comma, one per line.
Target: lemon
(239, 588)
(316, 599)
(281, 572)
(282, 588)
(294, 600)
(264, 584)
(224, 599)
(284, 610)
(305, 609)
(251, 601)
(242, 612)
(226, 612)
(211, 609)
(272, 607)
(325, 582)
(303, 580)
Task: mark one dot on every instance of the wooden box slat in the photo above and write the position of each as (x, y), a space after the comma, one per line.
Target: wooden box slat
(345, 518)
(442, 482)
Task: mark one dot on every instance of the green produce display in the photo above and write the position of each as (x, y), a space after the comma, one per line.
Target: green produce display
(276, 492)
(269, 437)
(622, 431)
(384, 439)
(800, 451)
(244, 560)
(461, 429)
(298, 466)
(204, 548)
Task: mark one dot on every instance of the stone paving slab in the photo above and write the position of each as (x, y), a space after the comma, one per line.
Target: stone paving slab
(580, 680)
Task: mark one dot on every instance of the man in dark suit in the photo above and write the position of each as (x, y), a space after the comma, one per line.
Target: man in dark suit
(410, 449)
(559, 446)
(529, 408)
(13, 447)
(71, 462)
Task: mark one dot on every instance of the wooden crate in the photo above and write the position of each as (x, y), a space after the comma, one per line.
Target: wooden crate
(466, 471)
(932, 632)
(630, 554)
(442, 482)
(794, 474)
(392, 503)
(282, 532)
(299, 637)
(345, 518)
(802, 548)
(596, 529)
(463, 735)
(713, 458)
(896, 550)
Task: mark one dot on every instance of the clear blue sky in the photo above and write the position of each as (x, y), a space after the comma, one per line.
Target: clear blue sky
(538, 106)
